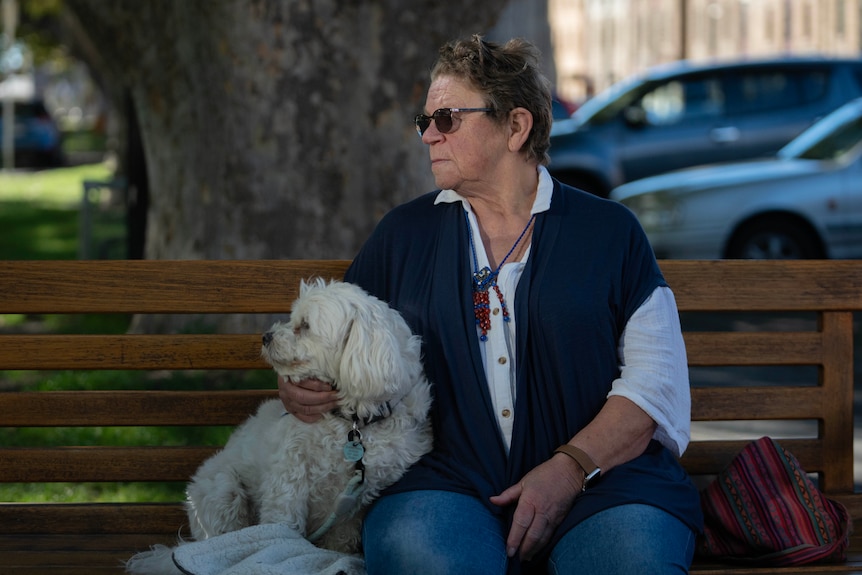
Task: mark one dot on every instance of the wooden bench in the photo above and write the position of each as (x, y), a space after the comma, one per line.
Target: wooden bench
(90, 538)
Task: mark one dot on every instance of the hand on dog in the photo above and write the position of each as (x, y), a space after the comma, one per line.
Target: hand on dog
(308, 399)
(542, 498)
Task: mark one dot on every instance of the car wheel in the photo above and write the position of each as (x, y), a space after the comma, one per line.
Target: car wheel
(775, 239)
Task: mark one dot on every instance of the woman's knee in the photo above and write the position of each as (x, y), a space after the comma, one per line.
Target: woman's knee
(626, 539)
(431, 532)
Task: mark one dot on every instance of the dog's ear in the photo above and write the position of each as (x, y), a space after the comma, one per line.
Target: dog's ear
(307, 284)
(373, 362)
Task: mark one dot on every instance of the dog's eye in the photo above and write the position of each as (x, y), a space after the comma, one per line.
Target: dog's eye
(303, 326)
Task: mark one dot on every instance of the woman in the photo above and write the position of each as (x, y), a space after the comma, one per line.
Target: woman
(552, 341)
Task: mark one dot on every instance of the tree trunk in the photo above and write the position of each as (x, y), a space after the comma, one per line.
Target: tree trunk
(276, 128)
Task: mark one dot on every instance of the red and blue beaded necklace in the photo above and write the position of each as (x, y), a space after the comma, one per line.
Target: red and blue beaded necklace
(485, 278)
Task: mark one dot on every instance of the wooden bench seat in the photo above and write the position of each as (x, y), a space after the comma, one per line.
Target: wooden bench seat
(90, 537)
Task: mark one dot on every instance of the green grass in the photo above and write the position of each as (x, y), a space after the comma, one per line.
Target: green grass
(84, 141)
(39, 219)
(58, 188)
(39, 213)
(92, 492)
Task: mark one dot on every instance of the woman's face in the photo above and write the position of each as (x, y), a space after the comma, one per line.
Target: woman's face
(465, 159)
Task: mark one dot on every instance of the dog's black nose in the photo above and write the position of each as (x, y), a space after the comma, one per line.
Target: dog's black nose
(267, 337)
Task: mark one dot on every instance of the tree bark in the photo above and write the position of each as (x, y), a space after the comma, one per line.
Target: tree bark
(276, 129)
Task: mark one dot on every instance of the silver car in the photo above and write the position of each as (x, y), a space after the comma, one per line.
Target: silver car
(804, 203)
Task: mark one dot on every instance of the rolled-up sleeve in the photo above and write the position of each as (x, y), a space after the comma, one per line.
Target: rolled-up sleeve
(654, 369)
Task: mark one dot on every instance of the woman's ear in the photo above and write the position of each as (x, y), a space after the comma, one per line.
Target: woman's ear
(520, 125)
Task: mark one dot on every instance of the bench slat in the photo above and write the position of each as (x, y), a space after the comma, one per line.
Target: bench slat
(91, 518)
(779, 402)
(753, 348)
(178, 351)
(99, 463)
(125, 408)
(242, 351)
(853, 566)
(174, 286)
(157, 286)
(757, 285)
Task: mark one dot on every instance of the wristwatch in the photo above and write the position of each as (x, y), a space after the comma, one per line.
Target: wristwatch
(591, 470)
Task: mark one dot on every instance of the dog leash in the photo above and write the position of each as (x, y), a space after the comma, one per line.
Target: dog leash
(345, 504)
(347, 501)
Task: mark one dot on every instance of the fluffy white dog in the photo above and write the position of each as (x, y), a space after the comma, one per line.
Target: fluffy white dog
(319, 478)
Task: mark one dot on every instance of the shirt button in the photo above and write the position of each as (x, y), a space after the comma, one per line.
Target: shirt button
(506, 413)
(496, 311)
(502, 360)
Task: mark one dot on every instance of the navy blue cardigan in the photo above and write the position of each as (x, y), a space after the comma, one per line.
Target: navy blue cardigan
(590, 268)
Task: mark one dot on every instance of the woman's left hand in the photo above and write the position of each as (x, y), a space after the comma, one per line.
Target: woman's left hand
(543, 497)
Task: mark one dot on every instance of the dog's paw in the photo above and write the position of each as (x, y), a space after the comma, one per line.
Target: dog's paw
(157, 561)
(219, 505)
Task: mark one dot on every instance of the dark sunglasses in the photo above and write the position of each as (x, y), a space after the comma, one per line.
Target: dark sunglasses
(443, 119)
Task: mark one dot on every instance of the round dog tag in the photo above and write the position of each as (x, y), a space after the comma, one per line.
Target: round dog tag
(353, 451)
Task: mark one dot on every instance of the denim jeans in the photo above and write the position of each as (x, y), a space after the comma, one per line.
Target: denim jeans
(445, 533)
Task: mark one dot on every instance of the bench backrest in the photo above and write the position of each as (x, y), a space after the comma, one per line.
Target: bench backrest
(830, 290)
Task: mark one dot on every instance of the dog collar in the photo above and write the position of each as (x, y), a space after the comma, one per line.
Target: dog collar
(366, 420)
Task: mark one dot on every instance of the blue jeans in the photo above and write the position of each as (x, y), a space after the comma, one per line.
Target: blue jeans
(443, 533)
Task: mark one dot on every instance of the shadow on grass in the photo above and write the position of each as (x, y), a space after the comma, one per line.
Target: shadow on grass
(35, 232)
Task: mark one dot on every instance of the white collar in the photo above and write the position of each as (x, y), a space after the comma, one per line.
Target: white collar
(542, 203)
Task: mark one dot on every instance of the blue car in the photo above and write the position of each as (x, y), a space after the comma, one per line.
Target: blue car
(683, 114)
(38, 140)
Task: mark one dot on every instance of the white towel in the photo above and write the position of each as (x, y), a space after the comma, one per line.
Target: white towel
(271, 549)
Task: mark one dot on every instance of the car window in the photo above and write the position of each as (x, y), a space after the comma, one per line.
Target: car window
(605, 105)
(684, 100)
(765, 90)
(841, 141)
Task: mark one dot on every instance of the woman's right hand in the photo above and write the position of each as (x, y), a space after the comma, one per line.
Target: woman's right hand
(308, 399)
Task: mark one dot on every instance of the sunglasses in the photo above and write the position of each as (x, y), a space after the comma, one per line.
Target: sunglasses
(443, 119)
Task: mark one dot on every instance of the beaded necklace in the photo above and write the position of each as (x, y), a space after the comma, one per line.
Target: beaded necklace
(485, 278)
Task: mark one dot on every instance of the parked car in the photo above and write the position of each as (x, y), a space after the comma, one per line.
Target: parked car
(38, 140)
(804, 203)
(562, 108)
(684, 114)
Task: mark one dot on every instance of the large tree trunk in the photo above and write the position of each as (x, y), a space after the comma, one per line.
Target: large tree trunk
(276, 128)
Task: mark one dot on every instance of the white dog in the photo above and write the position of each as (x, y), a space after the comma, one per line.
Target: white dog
(319, 478)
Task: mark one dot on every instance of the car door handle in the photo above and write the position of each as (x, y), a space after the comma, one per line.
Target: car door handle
(724, 135)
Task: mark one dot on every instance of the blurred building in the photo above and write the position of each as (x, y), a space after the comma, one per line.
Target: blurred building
(598, 42)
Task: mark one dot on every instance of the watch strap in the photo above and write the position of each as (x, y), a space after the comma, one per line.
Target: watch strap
(591, 470)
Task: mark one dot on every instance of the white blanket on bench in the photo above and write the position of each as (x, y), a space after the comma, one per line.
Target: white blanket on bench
(271, 549)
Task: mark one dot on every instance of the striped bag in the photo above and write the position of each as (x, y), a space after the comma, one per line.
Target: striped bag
(765, 510)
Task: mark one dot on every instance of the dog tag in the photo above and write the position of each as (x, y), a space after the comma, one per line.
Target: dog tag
(353, 451)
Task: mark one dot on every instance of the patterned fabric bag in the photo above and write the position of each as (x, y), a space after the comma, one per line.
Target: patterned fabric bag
(764, 510)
